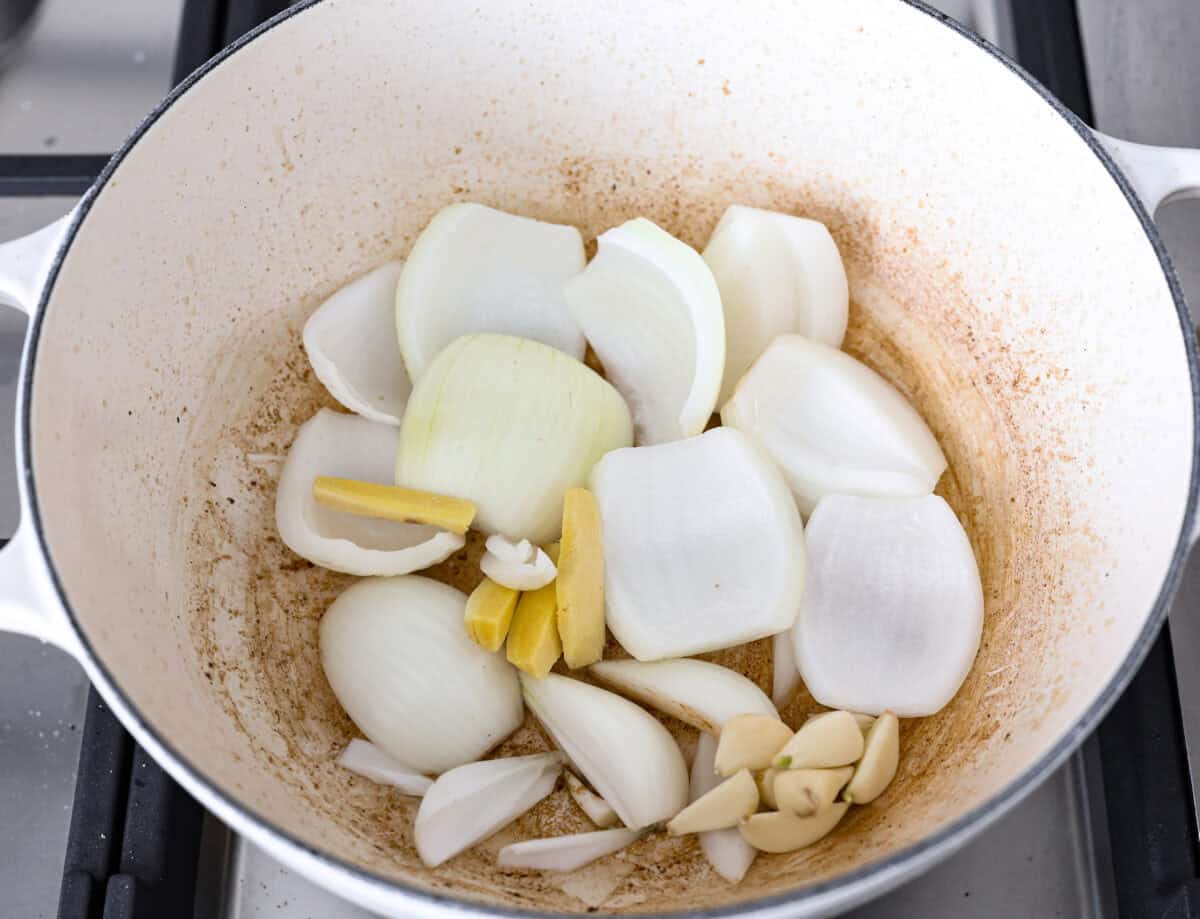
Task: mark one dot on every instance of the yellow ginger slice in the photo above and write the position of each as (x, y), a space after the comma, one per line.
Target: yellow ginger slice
(489, 613)
(533, 642)
(581, 580)
(390, 502)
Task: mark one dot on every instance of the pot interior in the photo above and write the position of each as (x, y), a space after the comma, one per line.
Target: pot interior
(999, 279)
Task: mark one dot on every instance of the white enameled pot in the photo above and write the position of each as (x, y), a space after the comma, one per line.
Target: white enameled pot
(1004, 275)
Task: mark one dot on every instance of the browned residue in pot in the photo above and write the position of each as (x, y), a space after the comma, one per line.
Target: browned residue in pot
(909, 322)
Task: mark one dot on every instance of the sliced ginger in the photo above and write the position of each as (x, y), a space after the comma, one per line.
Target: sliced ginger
(489, 613)
(581, 580)
(533, 642)
(390, 502)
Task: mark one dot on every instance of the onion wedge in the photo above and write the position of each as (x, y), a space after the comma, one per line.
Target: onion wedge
(366, 759)
(703, 545)
(596, 808)
(475, 269)
(470, 803)
(566, 853)
(777, 274)
(785, 677)
(696, 692)
(650, 307)
(347, 446)
(726, 850)
(894, 608)
(351, 343)
(833, 425)
(624, 752)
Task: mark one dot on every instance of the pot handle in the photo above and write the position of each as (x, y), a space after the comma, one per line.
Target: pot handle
(28, 603)
(1158, 174)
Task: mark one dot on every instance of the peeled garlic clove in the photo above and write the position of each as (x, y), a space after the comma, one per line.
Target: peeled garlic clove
(777, 274)
(703, 547)
(725, 850)
(833, 425)
(785, 678)
(805, 792)
(507, 563)
(489, 614)
(351, 343)
(766, 786)
(701, 694)
(510, 424)
(879, 762)
(347, 446)
(388, 502)
(893, 611)
(776, 831)
(864, 722)
(565, 853)
(580, 583)
(533, 642)
(828, 740)
(597, 809)
(471, 802)
(650, 308)
(474, 269)
(366, 759)
(624, 752)
(395, 653)
(722, 807)
(750, 742)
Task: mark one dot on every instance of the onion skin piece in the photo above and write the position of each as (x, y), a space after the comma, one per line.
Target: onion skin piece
(398, 660)
(699, 693)
(623, 751)
(833, 425)
(509, 424)
(893, 613)
(566, 853)
(728, 853)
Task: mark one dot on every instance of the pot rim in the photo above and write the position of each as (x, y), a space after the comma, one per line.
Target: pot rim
(837, 892)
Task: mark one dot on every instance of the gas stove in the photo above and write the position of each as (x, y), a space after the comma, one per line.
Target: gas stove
(92, 829)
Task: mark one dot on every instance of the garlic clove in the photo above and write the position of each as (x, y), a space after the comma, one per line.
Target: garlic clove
(805, 792)
(777, 274)
(726, 851)
(389, 502)
(489, 614)
(351, 343)
(651, 309)
(566, 853)
(776, 831)
(623, 751)
(785, 678)
(828, 740)
(518, 566)
(533, 642)
(580, 583)
(597, 809)
(476, 269)
(879, 762)
(469, 803)
(766, 786)
(750, 742)
(864, 722)
(698, 693)
(366, 759)
(335, 444)
(722, 807)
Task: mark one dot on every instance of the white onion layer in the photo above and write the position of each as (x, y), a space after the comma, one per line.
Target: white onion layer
(785, 677)
(471, 802)
(348, 446)
(703, 546)
(510, 424)
(351, 343)
(566, 853)
(650, 307)
(729, 854)
(893, 612)
(476, 269)
(366, 759)
(833, 425)
(777, 274)
(399, 661)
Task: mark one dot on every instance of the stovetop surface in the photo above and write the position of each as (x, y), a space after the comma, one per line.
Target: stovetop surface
(88, 74)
